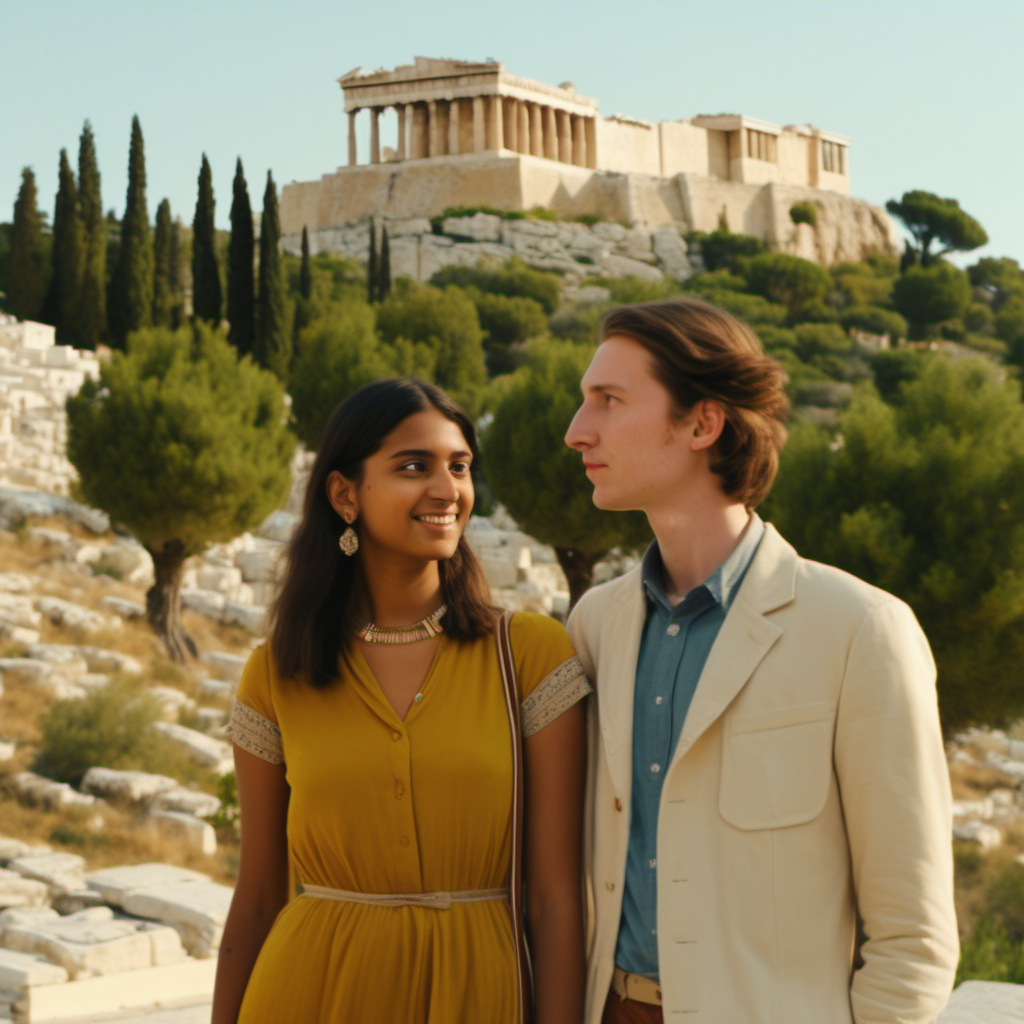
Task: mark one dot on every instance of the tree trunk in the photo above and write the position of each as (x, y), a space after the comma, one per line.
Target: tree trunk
(163, 600)
(578, 567)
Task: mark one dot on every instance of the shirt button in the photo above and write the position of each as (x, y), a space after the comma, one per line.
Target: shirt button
(655, 768)
(611, 886)
(673, 630)
(404, 841)
(418, 697)
(396, 736)
(399, 790)
(652, 863)
(658, 700)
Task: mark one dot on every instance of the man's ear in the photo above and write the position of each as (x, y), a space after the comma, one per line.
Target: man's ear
(341, 493)
(708, 424)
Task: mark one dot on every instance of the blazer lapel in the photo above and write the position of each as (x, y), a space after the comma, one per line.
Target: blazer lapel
(616, 680)
(745, 638)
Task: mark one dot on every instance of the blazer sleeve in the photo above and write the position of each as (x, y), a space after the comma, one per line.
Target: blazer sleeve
(894, 784)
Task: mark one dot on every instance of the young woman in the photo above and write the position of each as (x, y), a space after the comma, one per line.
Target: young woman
(375, 762)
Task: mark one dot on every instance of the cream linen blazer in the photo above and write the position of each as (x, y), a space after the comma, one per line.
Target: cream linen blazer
(809, 784)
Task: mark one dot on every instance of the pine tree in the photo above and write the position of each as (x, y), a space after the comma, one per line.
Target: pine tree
(206, 290)
(132, 298)
(65, 294)
(241, 257)
(27, 273)
(272, 346)
(92, 310)
(163, 298)
(305, 276)
(384, 271)
(371, 266)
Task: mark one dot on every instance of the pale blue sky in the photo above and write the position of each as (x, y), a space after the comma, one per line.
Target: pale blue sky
(930, 92)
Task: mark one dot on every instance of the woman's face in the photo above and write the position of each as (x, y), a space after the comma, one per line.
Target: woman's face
(416, 493)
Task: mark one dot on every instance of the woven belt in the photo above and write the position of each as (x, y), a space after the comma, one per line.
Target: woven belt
(636, 986)
(433, 900)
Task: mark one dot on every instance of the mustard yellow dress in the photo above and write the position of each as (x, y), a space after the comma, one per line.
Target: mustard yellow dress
(382, 805)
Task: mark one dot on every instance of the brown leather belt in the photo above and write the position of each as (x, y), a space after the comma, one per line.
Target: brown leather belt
(636, 986)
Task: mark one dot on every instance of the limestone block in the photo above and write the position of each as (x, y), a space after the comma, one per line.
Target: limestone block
(623, 266)
(246, 616)
(986, 836)
(38, 791)
(7, 747)
(18, 634)
(593, 293)
(481, 227)
(87, 553)
(215, 688)
(129, 560)
(11, 848)
(205, 602)
(64, 659)
(670, 249)
(528, 228)
(52, 537)
(75, 902)
(16, 583)
(17, 891)
(185, 828)
(93, 943)
(172, 701)
(186, 801)
(18, 916)
(203, 749)
(258, 566)
(1015, 749)
(1005, 764)
(126, 609)
(609, 231)
(636, 245)
(224, 579)
(126, 788)
(101, 659)
(500, 572)
(534, 598)
(114, 884)
(278, 526)
(18, 611)
(973, 808)
(224, 666)
(1002, 799)
(74, 616)
(984, 1002)
(405, 258)
(63, 872)
(196, 909)
(23, 970)
(408, 226)
(211, 719)
(93, 681)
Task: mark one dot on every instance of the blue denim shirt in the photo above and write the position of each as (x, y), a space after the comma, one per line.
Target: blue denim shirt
(675, 645)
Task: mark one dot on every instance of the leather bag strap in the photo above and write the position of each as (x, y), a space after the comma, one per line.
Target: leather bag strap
(512, 701)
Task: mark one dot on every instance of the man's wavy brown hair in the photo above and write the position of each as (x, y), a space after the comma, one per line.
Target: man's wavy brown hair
(699, 352)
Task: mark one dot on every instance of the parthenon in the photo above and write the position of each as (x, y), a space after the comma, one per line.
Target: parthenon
(470, 133)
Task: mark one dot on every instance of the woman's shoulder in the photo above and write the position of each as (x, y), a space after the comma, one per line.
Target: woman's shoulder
(535, 627)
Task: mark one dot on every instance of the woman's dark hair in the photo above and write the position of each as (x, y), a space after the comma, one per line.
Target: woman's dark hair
(698, 352)
(308, 618)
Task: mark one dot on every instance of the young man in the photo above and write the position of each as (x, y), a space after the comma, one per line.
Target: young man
(766, 765)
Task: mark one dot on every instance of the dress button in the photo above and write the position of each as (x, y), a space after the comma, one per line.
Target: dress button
(418, 697)
(652, 863)
(404, 841)
(618, 804)
(399, 790)
(673, 630)
(610, 886)
(658, 700)
(396, 735)
(655, 768)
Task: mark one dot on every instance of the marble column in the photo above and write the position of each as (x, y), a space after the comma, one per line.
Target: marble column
(511, 124)
(590, 134)
(402, 149)
(352, 137)
(453, 126)
(432, 133)
(374, 135)
(479, 134)
(550, 134)
(496, 135)
(524, 127)
(579, 141)
(536, 130)
(564, 138)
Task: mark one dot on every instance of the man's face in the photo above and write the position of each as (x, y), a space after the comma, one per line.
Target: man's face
(635, 453)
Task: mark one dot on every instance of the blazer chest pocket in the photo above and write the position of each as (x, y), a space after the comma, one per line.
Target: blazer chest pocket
(776, 766)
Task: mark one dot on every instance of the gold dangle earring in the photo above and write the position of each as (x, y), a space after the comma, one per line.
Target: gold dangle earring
(349, 540)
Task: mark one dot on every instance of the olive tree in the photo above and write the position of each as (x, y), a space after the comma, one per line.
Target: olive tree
(183, 444)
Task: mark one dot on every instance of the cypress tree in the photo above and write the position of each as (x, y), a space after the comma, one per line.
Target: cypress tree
(305, 275)
(163, 298)
(174, 281)
(241, 257)
(384, 273)
(92, 310)
(65, 293)
(371, 266)
(26, 276)
(132, 299)
(272, 346)
(206, 291)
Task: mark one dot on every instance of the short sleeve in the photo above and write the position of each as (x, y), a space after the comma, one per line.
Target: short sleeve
(253, 723)
(551, 677)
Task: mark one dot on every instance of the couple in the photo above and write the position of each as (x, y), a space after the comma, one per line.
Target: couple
(766, 826)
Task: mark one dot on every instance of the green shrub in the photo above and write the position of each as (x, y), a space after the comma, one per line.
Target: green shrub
(804, 212)
(509, 321)
(722, 248)
(752, 309)
(514, 277)
(541, 213)
(714, 281)
(630, 290)
(873, 320)
(589, 219)
(579, 324)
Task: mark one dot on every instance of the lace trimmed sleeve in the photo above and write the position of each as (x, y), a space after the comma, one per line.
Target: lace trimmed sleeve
(561, 688)
(254, 733)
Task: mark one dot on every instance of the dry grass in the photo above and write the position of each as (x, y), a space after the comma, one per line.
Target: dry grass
(974, 781)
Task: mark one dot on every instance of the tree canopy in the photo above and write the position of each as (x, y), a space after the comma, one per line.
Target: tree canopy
(207, 295)
(27, 262)
(183, 444)
(92, 317)
(934, 220)
(272, 342)
(241, 266)
(925, 498)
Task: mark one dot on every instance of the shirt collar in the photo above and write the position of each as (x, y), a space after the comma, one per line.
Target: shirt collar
(721, 585)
